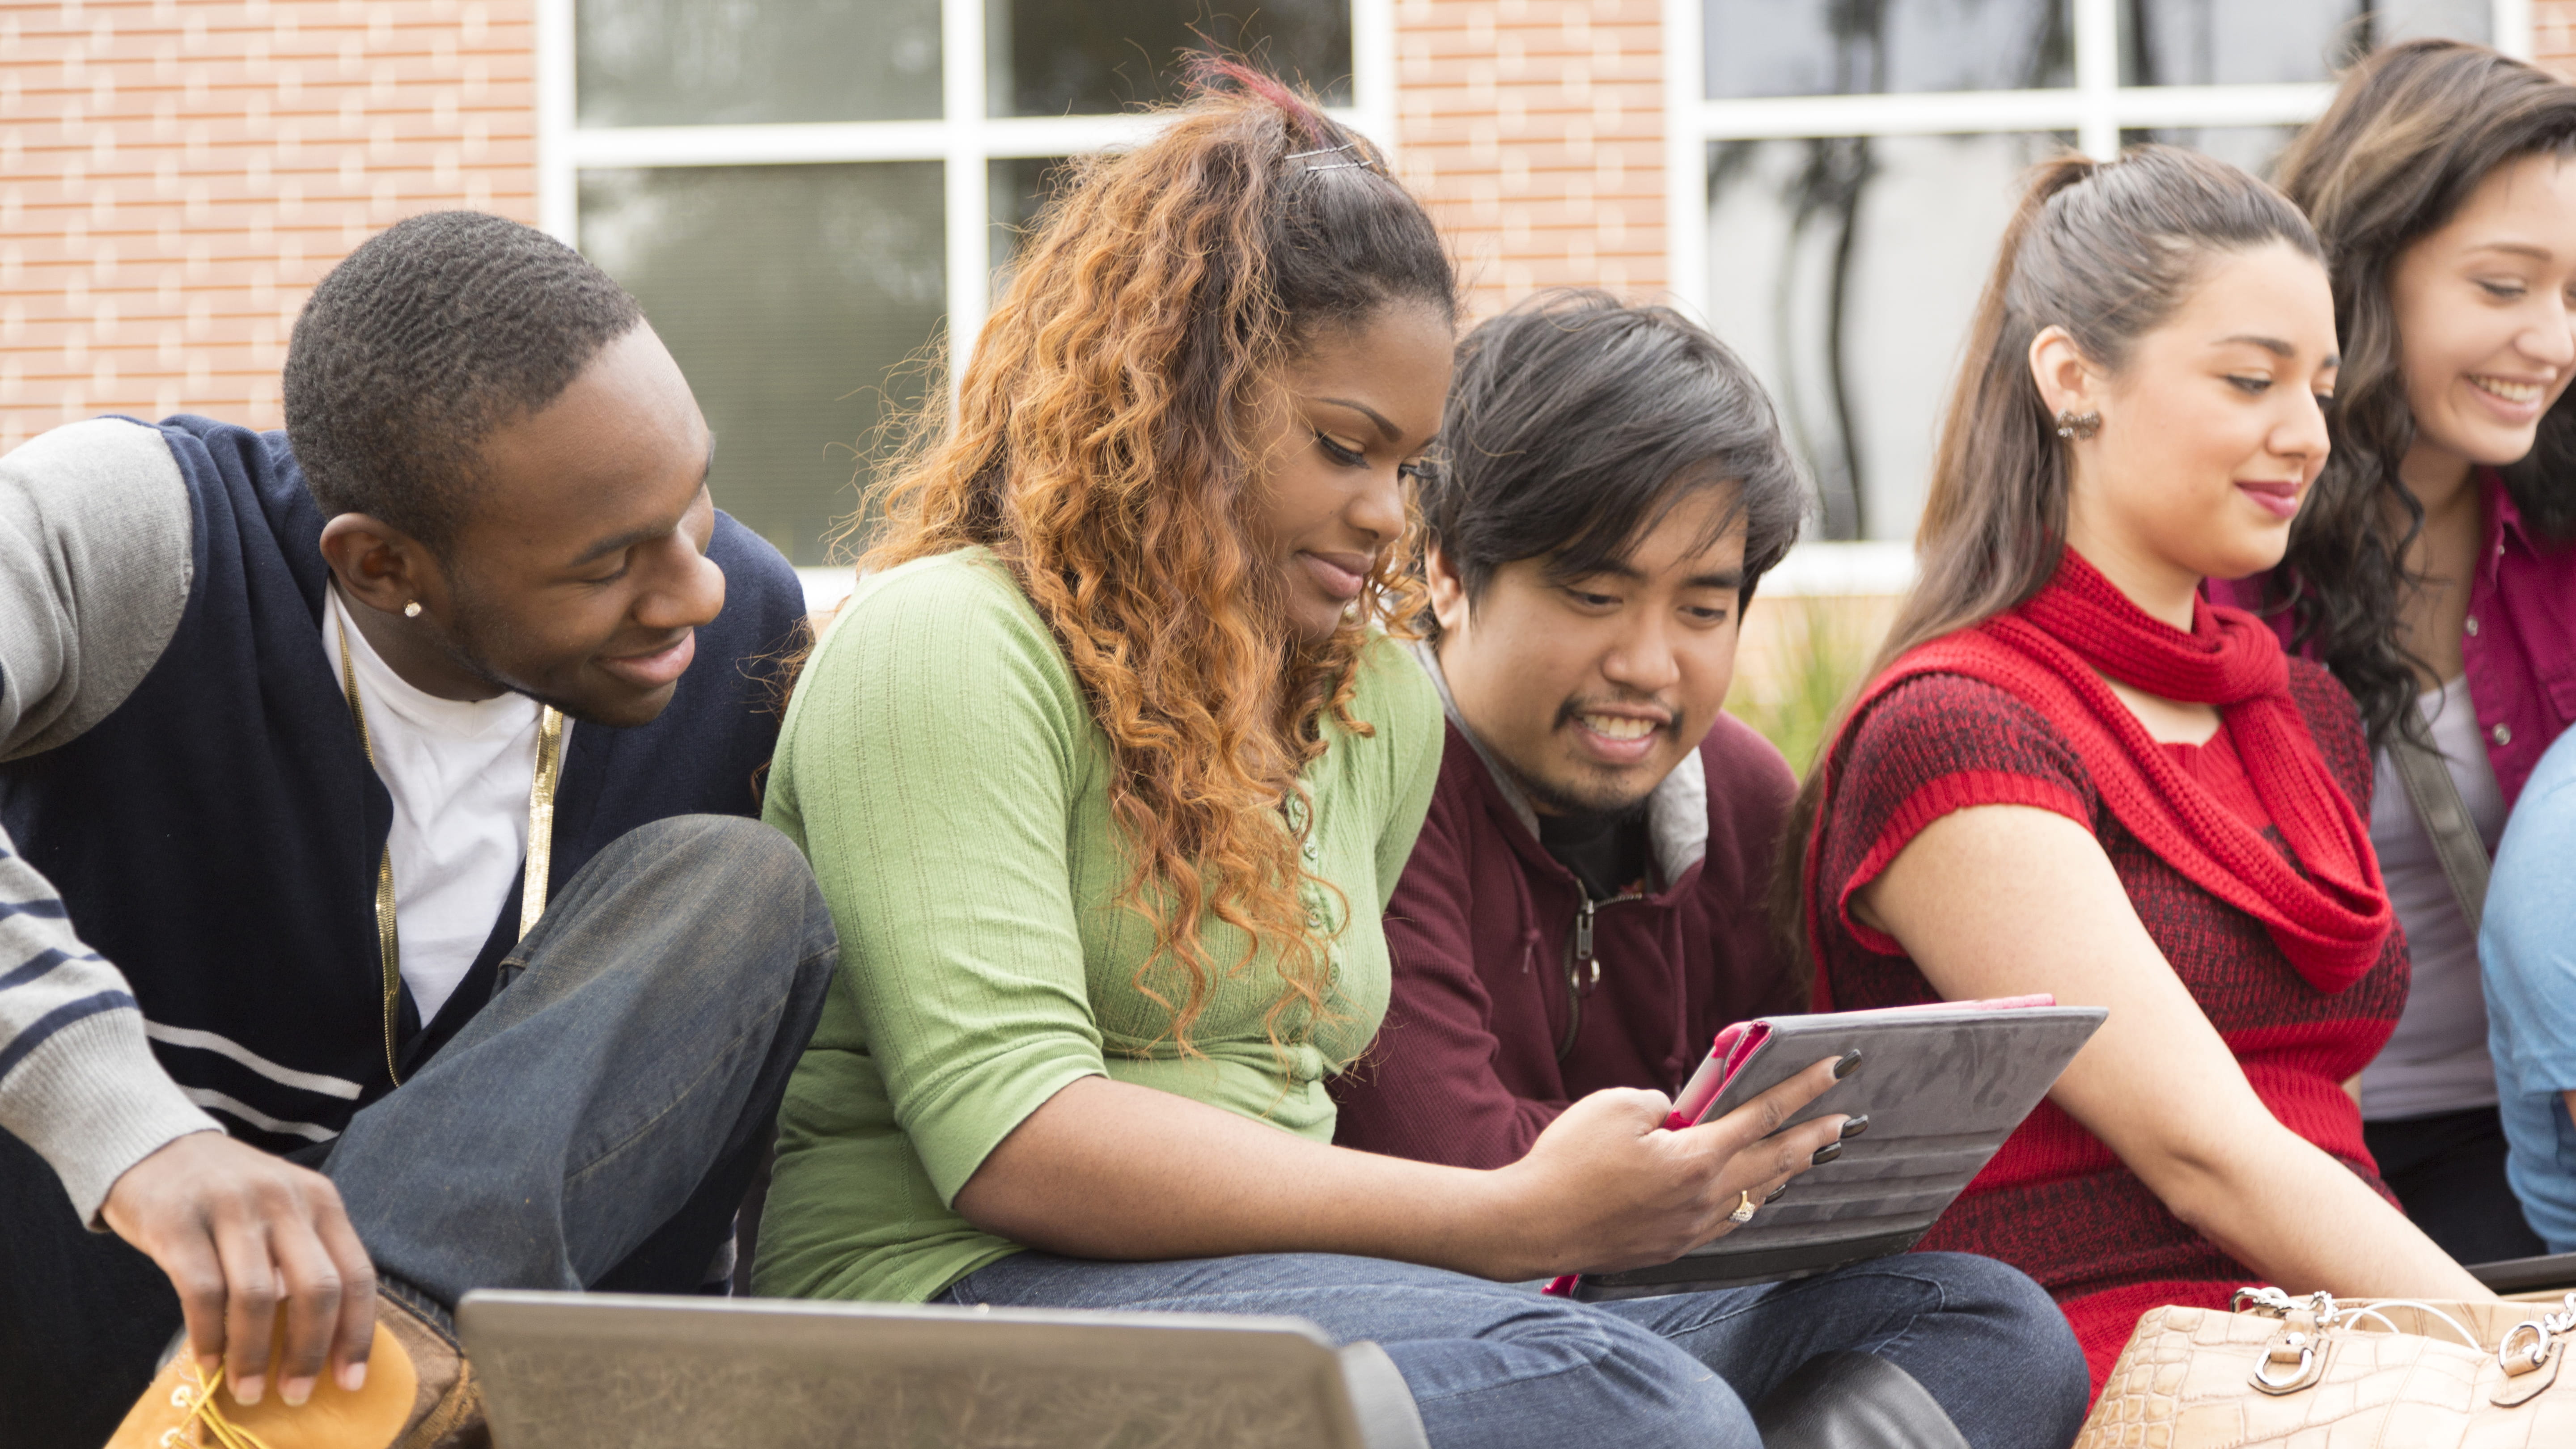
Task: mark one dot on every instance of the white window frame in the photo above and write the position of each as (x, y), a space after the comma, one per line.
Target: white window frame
(964, 137)
(2097, 108)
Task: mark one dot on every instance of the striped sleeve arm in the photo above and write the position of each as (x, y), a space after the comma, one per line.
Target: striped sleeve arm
(94, 573)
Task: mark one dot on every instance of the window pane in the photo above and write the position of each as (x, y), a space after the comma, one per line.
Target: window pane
(1832, 47)
(1098, 57)
(2254, 148)
(699, 62)
(1845, 271)
(1017, 187)
(2223, 42)
(791, 296)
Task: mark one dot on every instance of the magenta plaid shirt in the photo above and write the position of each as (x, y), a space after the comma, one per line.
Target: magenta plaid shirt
(2518, 645)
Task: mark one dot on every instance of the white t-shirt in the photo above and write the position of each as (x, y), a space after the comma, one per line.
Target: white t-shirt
(2436, 1061)
(459, 772)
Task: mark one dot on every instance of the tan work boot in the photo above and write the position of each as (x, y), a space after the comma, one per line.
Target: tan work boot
(420, 1394)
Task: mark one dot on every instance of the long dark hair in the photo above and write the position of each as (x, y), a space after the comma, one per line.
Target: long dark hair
(2412, 132)
(1101, 447)
(2107, 250)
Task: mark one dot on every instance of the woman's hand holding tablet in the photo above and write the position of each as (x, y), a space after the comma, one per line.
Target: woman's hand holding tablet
(1608, 1185)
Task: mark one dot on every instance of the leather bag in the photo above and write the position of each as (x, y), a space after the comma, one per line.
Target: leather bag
(2312, 1373)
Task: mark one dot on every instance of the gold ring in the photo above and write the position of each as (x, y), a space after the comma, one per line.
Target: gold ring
(1744, 1208)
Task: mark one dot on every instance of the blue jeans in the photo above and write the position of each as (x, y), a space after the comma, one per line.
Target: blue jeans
(1496, 1366)
(593, 1126)
(596, 1125)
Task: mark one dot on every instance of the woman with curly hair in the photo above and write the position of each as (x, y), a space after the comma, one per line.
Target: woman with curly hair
(2435, 573)
(1107, 774)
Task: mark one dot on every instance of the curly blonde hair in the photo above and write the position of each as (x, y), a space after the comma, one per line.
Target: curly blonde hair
(1103, 446)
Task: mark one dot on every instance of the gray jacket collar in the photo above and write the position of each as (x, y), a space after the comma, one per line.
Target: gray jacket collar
(1676, 810)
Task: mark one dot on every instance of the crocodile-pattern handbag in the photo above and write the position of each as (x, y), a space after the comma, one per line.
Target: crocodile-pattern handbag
(2311, 1373)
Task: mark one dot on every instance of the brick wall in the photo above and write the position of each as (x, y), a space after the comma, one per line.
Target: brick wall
(175, 176)
(2553, 35)
(1535, 130)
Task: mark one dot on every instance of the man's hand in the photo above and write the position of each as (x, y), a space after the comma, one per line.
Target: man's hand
(241, 1235)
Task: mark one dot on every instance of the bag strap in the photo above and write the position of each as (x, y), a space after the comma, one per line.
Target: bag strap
(2436, 797)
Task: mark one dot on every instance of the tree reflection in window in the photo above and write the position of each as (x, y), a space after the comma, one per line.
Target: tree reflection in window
(1093, 57)
(1816, 200)
(1867, 47)
(2231, 42)
(1845, 270)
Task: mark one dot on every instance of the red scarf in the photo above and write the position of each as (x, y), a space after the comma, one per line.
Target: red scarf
(2333, 920)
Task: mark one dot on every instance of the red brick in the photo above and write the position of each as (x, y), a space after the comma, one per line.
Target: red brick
(2553, 35)
(1534, 129)
(234, 149)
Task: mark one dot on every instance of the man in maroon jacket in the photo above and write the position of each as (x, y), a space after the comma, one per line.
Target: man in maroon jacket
(1585, 907)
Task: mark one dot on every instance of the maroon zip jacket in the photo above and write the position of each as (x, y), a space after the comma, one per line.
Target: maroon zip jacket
(1467, 1068)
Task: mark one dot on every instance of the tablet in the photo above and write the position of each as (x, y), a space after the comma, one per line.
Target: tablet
(2547, 1276)
(1943, 1085)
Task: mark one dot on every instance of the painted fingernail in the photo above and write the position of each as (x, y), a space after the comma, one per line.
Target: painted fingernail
(1774, 1194)
(353, 1377)
(294, 1391)
(1826, 1153)
(1849, 1064)
(1854, 1126)
(248, 1388)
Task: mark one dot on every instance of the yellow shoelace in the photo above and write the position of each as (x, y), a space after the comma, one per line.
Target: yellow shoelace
(227, 1433)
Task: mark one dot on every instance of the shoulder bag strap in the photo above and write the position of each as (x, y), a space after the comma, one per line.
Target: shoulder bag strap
(2437, 801)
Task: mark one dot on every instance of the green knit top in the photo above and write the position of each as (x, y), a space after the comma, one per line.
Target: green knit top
(942, 770)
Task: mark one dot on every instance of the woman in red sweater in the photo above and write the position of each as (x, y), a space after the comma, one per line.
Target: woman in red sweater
(2070, 774)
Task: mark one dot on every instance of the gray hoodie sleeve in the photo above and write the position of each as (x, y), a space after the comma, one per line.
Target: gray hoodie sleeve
(94, 574)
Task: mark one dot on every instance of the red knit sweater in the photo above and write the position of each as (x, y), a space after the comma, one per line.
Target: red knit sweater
(2056, 1202)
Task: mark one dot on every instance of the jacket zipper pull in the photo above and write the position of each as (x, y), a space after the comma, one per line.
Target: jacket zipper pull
(1583, 957)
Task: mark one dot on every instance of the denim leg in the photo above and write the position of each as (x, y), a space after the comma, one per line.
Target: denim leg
(1490, 1365)
(1983, 1339)
(601, 1116)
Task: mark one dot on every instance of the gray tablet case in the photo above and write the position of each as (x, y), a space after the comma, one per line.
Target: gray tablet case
(2553, 1273)
(604, 1371)
(1942, 1091)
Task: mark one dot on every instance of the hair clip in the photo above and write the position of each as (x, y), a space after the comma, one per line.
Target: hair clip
(1361, 160)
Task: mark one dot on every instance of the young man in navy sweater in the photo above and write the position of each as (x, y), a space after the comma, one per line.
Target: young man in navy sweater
(1586, 905)
(381, 914)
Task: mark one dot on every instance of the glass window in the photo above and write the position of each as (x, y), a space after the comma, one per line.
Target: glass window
(1826, 47)
(792, 297)
(1019, 186)
(1099, 57)
(2226, 42)
(1845, 270)
(2256, 149)
(719, 62)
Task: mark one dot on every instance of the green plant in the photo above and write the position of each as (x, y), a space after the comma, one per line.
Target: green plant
(1819, 663)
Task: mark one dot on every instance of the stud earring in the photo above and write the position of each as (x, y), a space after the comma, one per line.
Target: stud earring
(412, 609)
(2072, 424)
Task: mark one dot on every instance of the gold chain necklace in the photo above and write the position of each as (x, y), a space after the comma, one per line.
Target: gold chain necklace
(541, 839)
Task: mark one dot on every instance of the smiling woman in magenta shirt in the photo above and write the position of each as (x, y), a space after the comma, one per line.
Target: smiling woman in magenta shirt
(2435, 570)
